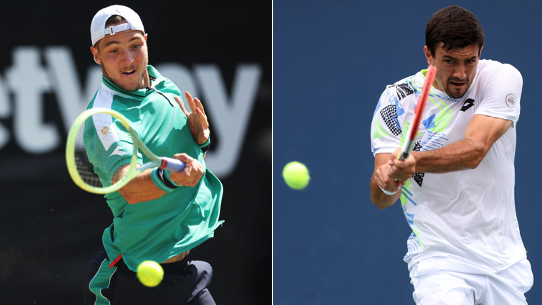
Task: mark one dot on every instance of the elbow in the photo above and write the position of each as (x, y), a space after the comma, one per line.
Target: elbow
(477, 158)
(473, 164)
(128, 198)
(378, 204)
(381, 206)
(131, 201)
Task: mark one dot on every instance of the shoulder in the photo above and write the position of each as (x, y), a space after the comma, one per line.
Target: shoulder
(164, 84)
(399, 90)
(104, 98)
(490, 70)
(127, 106)
(91, 104)
(168, 86)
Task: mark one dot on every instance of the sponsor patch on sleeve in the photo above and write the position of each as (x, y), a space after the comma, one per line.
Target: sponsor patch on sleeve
(510, 100)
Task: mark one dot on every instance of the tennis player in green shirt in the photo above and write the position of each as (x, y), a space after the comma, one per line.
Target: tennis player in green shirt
(159, 215)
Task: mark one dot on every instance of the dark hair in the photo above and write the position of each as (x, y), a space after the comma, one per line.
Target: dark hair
(114, 19)
(454, 26)
(111, 20)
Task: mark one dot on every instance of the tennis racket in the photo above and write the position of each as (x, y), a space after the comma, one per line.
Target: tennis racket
(411, 135)
(82, 170)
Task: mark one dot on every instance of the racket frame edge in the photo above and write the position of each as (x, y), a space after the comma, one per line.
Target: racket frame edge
(70, 152)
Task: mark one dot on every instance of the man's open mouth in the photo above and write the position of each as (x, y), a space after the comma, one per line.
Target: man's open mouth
(457, 84)
(130, 72)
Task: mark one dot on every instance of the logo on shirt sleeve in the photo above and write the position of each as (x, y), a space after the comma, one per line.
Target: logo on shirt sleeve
(510, 100)
(105, 130)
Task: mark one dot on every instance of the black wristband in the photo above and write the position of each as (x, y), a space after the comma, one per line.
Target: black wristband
(162, 176)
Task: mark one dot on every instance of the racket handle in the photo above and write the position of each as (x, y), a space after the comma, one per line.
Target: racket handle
(172, 164)
(406, 149)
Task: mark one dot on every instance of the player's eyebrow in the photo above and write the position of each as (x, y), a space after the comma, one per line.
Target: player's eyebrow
(450, 57)
(135, 38)
(111, 42)
(118, 42)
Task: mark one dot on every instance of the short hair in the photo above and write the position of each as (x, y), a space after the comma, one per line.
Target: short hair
(114, 19)
(455, 27)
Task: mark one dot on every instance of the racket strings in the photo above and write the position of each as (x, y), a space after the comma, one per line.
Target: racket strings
(85, 168)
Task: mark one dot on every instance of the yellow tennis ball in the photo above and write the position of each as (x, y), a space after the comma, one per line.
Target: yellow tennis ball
(296, 175)
(150, 273)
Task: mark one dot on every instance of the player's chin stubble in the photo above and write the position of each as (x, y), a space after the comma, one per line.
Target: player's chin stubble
(139, 85)
(452, 92)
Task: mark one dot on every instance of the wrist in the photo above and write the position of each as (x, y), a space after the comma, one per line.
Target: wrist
(167, 174)
(416, 156)
(161, 179)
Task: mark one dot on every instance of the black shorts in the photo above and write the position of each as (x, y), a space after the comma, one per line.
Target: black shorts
(185, 282)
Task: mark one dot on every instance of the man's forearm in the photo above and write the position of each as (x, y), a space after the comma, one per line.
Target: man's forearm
(380, 199)
(461, 155)
(482, 132)
(139, 189)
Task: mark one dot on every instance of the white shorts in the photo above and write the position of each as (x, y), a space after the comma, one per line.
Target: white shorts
(468, 284)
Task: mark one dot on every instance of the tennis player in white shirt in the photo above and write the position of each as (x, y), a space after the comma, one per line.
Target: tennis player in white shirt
(457, 187)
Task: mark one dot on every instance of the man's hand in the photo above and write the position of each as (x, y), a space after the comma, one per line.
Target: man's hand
(197, 119)
(402, 170)
(383, 178)
(192, 173)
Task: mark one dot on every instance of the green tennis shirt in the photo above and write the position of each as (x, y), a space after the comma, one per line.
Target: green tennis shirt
(181, 219)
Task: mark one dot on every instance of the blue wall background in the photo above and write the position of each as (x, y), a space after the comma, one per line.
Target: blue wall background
(332, 60)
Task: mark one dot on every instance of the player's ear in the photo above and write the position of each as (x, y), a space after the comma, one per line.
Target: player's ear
(96, 55)
(428, 56)
(146, 37)
(480, 52)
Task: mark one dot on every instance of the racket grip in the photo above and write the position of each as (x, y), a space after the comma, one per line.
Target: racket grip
(172, 164)
(406, 149)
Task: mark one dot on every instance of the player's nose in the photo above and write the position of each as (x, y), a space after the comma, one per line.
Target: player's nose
(460, 72)
(127, 57)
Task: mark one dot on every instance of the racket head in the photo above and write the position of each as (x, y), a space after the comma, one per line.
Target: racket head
(80, 168)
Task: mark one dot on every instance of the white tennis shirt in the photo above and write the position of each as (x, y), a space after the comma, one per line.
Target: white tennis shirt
(470, 214)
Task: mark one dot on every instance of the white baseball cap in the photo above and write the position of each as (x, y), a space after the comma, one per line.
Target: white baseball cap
(97, 27)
